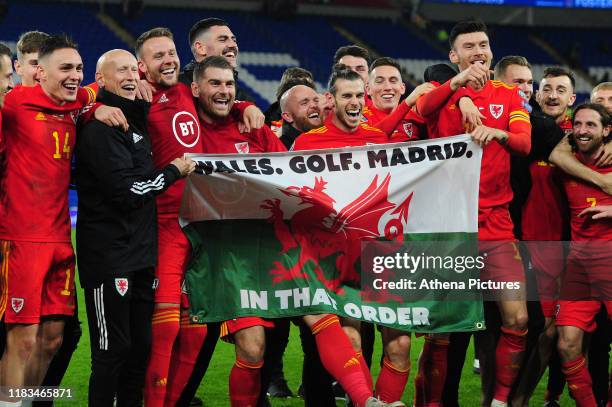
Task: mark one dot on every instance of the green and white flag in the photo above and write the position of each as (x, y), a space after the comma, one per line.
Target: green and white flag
(283, 234)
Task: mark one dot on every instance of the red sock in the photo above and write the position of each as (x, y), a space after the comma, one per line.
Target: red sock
(508, 358)
(366, 371)
(339, 359)
(245, 383)
(431, 376)
(391, 382)
(164, 329)
(188, 345)
(579, 382)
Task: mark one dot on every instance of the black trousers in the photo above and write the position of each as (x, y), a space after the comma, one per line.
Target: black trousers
(119, 314)
(277, 340)
(316, 381)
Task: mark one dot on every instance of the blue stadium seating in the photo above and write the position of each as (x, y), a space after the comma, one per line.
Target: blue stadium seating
(268, 45)
(77, 20)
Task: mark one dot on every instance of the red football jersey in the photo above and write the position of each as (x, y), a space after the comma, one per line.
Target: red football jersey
(174, 129)
(503, 109)
(406, 128)
(582, 195)
(39, 138)
(545, 214)
(330, 136)
(223, 137)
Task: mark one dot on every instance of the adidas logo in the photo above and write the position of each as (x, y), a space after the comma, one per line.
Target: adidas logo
(163, 99)
(351, 362)
(161, 382)
(136, 137)
(40, 116)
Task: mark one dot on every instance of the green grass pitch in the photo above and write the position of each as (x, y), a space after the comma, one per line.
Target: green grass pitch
(213, 389)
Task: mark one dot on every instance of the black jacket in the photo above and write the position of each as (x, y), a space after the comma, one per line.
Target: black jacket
(186, 76)
(117, 184)
(289, 134)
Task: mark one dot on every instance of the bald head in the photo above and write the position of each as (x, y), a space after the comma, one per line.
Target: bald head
(300, 107)
(117, 72)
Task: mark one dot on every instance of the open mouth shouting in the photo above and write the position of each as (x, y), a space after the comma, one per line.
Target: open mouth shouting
(169, 73)
(230, 53)
(71, 87)
(129, 89)
(353, 114)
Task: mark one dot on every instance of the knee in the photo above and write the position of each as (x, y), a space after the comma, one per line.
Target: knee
(568, 348)
(251, 350)
(398, 352)
(518, 321)
(50, 345)
(23, 346)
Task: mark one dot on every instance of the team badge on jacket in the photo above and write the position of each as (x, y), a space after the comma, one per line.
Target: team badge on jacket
(121, 284)
(496, 110)
(242, 148)
(17, 304)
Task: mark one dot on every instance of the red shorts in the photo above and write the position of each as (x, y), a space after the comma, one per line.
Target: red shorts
(580, 314)
(38, 280)
(548, 262)
(495, 224)
(173, 253)
(496, 242)
(229, 328)
(588, 276)
(502, 261)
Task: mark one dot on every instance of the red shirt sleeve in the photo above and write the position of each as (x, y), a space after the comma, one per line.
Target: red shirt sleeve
(428, 104)
(271, 142)
(239, 107)
(519, 134)
(86, 96)
(390, 123)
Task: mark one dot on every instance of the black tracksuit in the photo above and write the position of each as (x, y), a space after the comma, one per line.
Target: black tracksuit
(117, 248)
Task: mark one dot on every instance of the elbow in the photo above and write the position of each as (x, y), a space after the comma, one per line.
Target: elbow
(553, 158)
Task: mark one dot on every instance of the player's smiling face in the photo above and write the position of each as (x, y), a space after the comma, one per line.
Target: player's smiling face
(216, 91)
(349, 100)
(604, 98)
(6, 76)
(356, 64)
(159, 61)
(220, 41)
(519, 76)
(61, 74)
(556, 95)
(386, 87)
(303, 108)
(27, 68)
(588, 131)
(120, 74)
(471, 48)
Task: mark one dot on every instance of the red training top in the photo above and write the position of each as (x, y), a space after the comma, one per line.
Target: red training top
(330, 136)
(503, 109)
(223, 137)
(39, 137)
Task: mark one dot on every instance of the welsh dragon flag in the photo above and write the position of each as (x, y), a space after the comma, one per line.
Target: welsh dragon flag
(344, 231)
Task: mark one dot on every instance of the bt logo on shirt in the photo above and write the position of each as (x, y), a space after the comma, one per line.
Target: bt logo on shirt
(186, 129)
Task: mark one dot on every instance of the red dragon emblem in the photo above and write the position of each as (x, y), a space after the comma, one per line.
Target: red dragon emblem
(320, 231)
